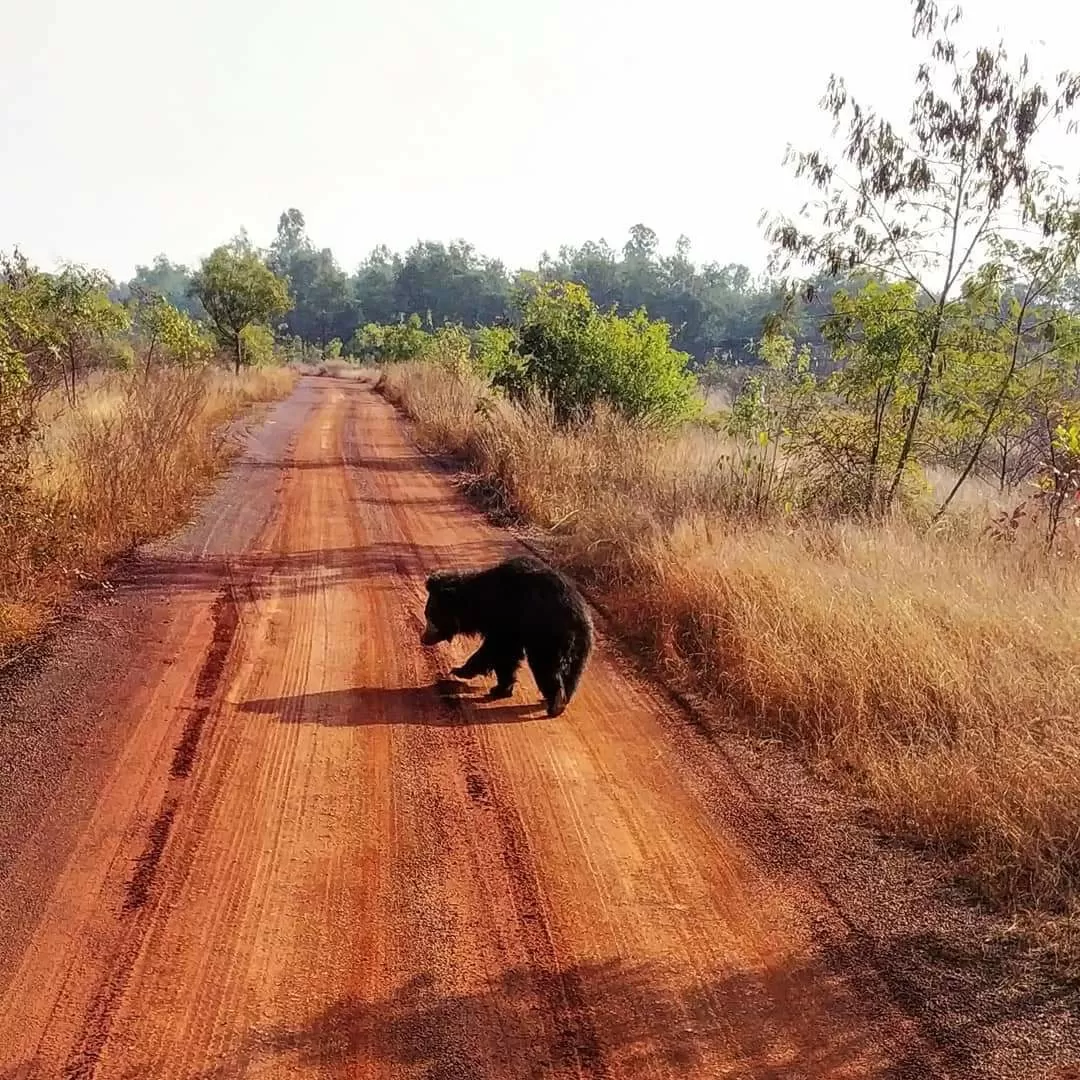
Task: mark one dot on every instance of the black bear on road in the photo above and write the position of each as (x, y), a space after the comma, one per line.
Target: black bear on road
(523, 610)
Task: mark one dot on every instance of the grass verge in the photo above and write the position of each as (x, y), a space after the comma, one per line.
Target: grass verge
(939, 673)
(121, 467)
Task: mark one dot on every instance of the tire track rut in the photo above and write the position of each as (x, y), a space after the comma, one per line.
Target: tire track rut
(106, 998)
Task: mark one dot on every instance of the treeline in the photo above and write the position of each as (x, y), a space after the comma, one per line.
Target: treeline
(715, 311)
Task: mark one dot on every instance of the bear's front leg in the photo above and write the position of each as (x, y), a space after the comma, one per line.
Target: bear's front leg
(482, 662)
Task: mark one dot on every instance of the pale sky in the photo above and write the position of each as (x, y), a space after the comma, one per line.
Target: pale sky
(133, 128)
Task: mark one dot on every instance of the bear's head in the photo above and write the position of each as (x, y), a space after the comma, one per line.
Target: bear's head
(441, 612)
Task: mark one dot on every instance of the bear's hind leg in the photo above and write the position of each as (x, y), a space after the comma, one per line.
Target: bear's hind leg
(544, 662)
(507, 659)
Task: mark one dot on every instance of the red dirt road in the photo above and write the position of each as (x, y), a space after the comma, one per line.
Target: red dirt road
(283, 847)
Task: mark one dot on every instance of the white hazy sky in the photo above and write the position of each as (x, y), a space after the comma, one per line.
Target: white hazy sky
(132, 128)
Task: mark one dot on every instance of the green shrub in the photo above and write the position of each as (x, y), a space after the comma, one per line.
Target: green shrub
(257, 344)
(578, 356)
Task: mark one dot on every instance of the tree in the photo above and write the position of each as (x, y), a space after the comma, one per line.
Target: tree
(874, 336)
(323, 306)
(642, 244)
(375, 286)
(1023, 341)
(258, 345)
(713, 311)
(167, 279)
(81, 314)
(291, 240)
(926, 204)
(451, 284)
(239, 290)
(170, 333)
(29, 342)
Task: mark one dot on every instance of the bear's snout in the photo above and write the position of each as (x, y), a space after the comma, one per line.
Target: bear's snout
(431, 635)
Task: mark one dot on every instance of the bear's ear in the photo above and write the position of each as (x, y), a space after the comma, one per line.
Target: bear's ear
(442, 581)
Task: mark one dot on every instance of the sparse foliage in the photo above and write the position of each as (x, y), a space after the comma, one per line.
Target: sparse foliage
(170, 334)
(934, 204)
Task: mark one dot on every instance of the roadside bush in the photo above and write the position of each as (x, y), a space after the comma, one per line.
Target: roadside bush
(578, 356)
(257, 343)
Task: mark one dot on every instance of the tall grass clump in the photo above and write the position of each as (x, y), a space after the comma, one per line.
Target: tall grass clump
(118, 467)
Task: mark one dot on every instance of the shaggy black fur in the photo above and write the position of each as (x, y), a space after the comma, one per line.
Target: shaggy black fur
(523, 610)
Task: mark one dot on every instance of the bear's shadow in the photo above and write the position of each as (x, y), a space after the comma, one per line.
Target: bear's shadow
(445, 703)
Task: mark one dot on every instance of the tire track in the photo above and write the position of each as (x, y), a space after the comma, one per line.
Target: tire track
(82, 1063)
(576, 1046)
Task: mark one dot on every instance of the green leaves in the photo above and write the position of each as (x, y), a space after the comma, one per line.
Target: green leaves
(257, 345)
(171, 334)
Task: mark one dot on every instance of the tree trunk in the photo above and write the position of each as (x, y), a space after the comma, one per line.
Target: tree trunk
(925, 376)
(71, 358)
(239, 354)
(991, 416)
(149, 358)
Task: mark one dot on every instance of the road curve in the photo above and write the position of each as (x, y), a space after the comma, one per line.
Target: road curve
(284, 847)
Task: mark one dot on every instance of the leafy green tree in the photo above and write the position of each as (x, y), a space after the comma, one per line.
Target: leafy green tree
(291, 240)
(405, 340)
(774, 403)
(595, 265)
(23, 332)
(375, 286)
(29, 342)
(714, 311)
(875, 335)
(239, 290)
(928, 202)
(82, 315)
(453, 284)
(1018, 341)
(387, 343)
(52, 324)
(368, 343)
(494, 354)
(1059, 486)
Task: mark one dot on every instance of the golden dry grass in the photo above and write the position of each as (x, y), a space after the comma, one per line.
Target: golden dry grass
(119, 468)
(938, 672)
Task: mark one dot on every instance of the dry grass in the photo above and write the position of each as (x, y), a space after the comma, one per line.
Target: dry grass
(121, 467)
(940, 673)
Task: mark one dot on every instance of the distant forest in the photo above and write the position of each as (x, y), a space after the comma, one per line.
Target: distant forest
(715, 311)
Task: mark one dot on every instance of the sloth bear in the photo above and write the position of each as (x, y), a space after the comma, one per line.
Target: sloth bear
(523, 610)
